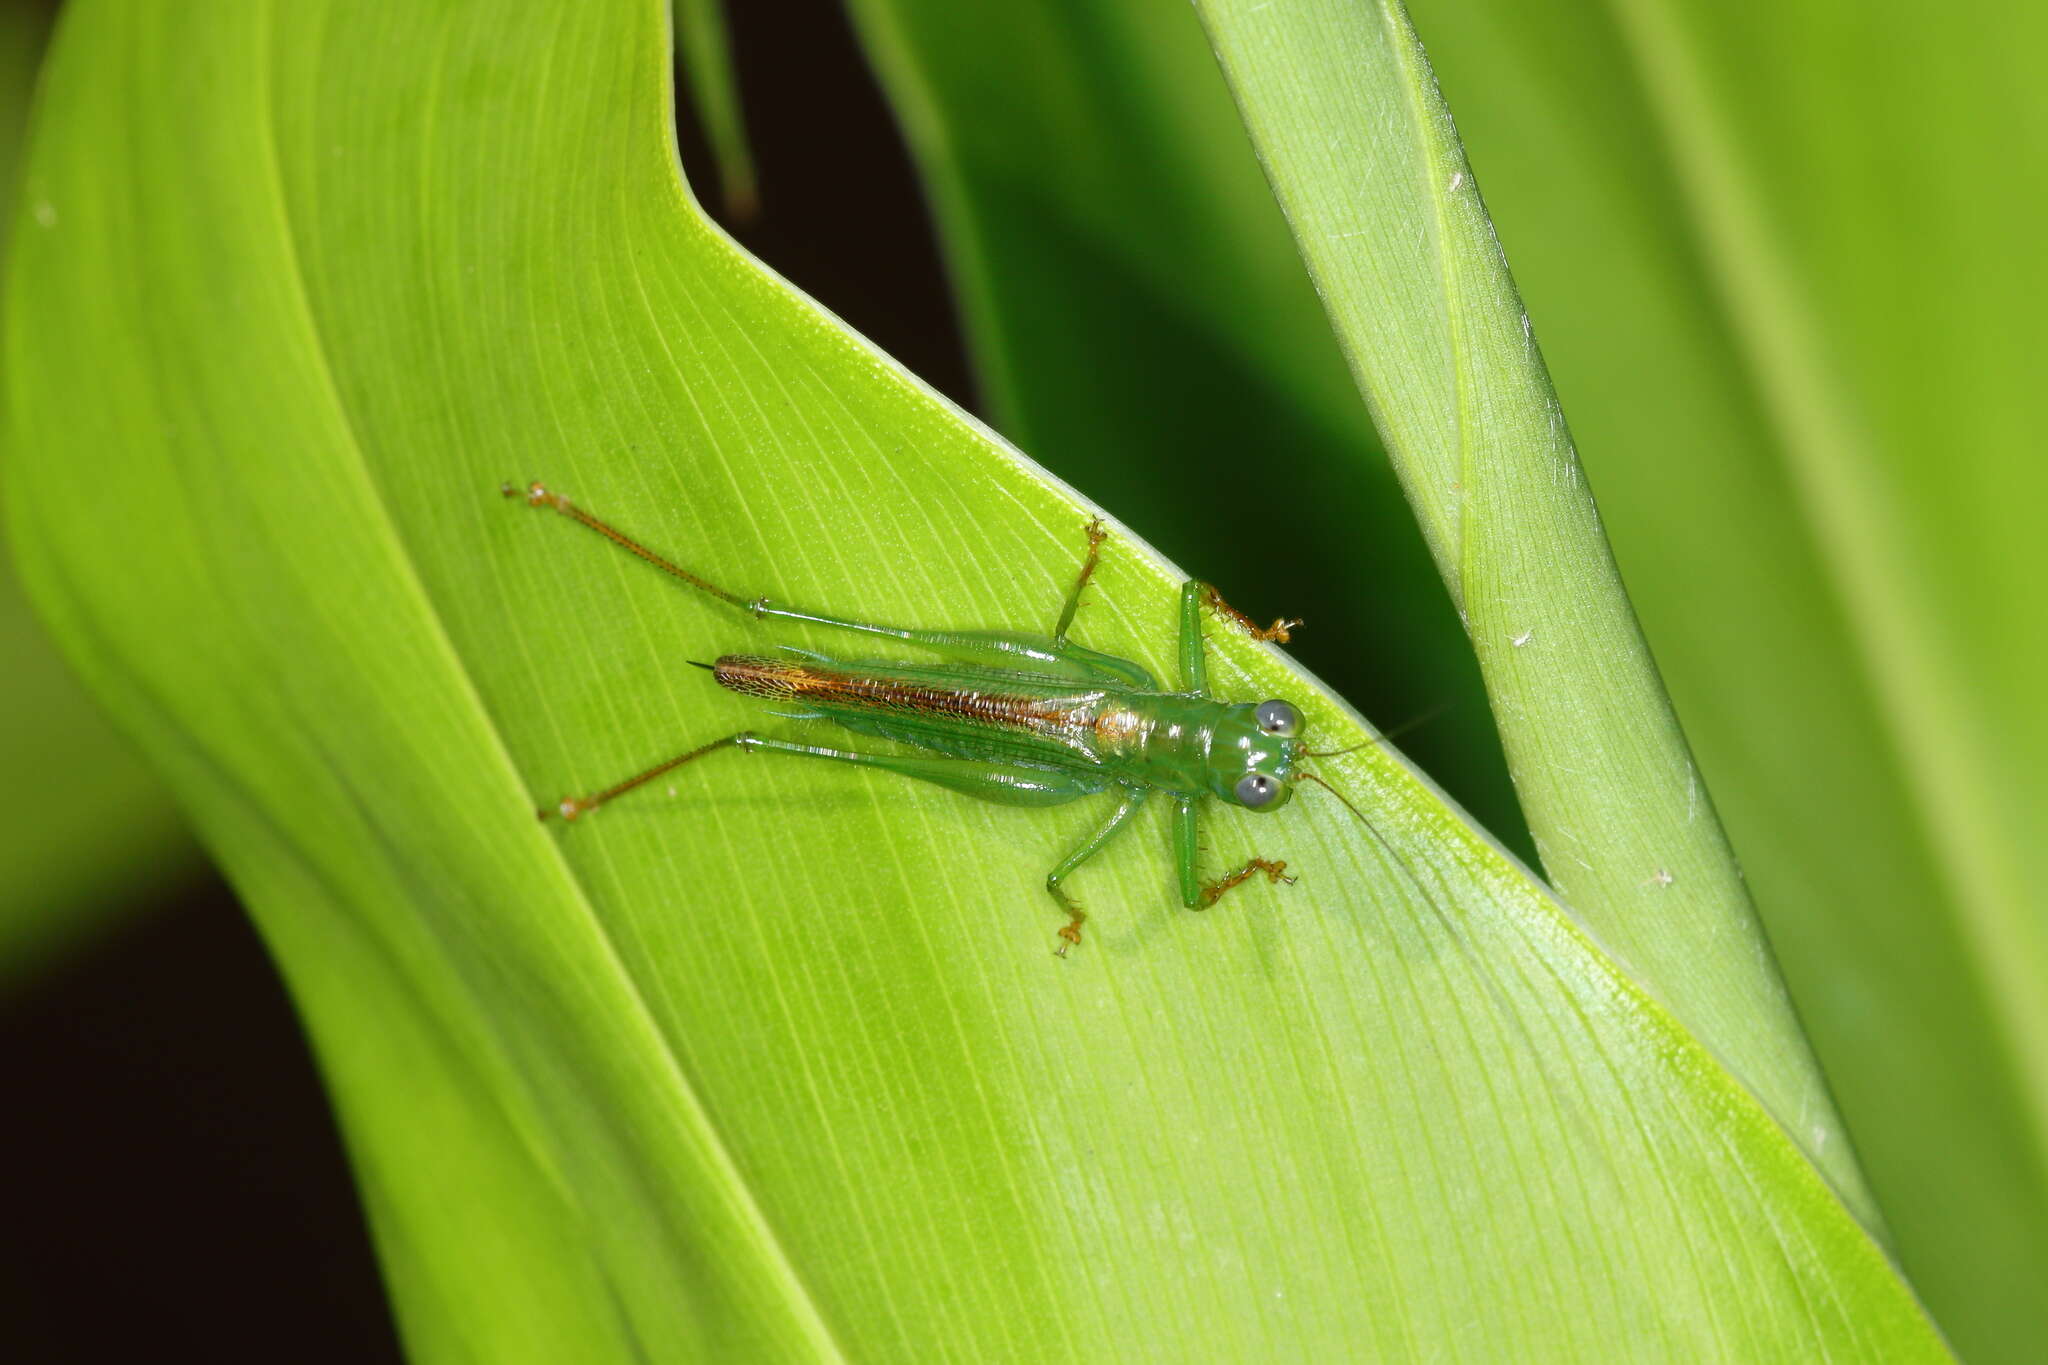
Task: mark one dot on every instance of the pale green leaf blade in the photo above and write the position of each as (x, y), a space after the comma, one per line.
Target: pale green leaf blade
(1733, 589)
(779, 1067)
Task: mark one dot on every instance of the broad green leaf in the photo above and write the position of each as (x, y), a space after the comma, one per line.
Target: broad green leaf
(1598, 214)
(778, 1066)
(1341, 107)
(89, 825)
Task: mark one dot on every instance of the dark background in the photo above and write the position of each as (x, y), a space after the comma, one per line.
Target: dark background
(176, 1188)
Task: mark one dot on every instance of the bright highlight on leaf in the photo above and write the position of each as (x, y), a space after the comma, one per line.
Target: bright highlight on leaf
(776, 1065)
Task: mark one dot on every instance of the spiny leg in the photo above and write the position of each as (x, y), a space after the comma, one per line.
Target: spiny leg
(1276, 872)
(537, 495)
(1280, 632)
(1096, 535)
(998, 649)
(1194, 664)
(1009, 784)
(570, 807)
(1195, 893)
(1131, 799)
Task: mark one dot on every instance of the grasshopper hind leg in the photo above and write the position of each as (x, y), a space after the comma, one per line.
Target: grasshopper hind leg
(1009, 784)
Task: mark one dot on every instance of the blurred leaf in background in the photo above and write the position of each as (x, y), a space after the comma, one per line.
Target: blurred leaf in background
(1786, 264)
(778, 1066)
(1780, 260)
(90, 828)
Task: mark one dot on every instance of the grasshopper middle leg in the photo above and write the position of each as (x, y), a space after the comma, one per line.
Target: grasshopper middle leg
(1129, 800)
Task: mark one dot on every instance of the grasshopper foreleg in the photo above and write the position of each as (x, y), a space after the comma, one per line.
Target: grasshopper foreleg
(1280, 632)
(1212, 892)
(1195, 893)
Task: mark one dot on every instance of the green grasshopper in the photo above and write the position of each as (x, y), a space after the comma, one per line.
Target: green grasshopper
(1024, 720)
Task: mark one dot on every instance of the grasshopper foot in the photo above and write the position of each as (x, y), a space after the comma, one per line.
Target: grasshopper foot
(1276, 872)
(568, 809)
(1071, 931)
(1280, 632)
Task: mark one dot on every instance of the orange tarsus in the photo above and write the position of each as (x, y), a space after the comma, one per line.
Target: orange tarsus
(1275, 873)
(1280, 632)
(535, 493)
(1071, 931)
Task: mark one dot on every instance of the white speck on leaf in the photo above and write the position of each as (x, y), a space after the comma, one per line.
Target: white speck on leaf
(1519, 640)
(1457, 180)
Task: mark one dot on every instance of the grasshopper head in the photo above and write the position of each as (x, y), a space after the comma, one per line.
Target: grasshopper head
(1251, 757)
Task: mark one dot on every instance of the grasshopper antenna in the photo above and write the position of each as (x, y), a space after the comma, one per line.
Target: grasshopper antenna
(1457, 932)
(1384, 737)
(1347, 802)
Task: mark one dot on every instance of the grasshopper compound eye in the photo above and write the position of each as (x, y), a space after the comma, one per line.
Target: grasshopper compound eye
(1256, 790)
(1278, 718)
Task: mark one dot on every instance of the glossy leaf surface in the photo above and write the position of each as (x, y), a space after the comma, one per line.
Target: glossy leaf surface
(780, 1065)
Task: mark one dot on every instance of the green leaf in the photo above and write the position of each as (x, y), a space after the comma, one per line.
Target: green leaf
(1346, 117)
(1726, 558)
(1341, 107)
(90, 825)
(779, 1066)
(1784, 264)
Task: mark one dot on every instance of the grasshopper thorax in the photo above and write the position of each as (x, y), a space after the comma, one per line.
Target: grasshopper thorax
(1251, 754)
